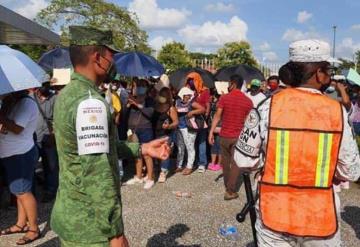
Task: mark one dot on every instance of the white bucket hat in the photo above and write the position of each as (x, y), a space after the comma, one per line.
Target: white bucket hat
(312, 50)
(185, 91)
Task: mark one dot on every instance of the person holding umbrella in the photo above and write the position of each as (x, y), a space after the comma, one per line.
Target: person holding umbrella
(302, 143)
(19, 155)
(87, 210)
(18, 119)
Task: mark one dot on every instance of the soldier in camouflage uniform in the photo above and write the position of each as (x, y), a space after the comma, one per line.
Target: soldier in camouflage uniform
(87, 211)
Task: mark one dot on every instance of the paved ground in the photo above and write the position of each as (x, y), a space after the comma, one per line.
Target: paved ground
(157, 218)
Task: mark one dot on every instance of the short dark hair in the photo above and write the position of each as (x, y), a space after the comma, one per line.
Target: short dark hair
(237, 79)
(299, 73)
(79, 54)
(273, 77)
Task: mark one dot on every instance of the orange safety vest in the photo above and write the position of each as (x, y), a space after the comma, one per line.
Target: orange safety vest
(304, 136)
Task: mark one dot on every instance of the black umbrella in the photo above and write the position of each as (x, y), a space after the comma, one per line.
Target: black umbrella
(178, 78)
(247, 72)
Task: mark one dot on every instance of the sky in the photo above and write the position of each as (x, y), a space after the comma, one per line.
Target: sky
(268, 25)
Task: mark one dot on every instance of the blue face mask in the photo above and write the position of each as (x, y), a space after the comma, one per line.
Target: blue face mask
(330, 89)
(140, 90)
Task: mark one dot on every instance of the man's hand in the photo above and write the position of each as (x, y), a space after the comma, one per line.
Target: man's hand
(158, 149)
(211, 138)
(340, 87)
(119, 242)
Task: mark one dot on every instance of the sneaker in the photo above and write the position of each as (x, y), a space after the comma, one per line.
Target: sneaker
(230, 196)
(162, 177)
(201, 169)
(134, 180)
(217, 167)
(149, 184)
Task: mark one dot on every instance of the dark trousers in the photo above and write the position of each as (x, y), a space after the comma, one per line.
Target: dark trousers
(50, 163)
(231, 171)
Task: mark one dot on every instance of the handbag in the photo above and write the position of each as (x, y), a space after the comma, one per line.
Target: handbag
(196, 123)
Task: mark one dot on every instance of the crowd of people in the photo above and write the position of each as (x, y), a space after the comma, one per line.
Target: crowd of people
(202, 127)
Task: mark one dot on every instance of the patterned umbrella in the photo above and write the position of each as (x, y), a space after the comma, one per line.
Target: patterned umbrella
(18, 71)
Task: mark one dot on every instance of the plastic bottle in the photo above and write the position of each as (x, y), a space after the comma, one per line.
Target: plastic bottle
(230, 232)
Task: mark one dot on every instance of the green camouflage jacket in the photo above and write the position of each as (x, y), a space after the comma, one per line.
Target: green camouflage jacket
(88, 202)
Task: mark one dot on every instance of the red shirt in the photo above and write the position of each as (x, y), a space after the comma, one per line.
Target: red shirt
(204, 98)
(236, 106)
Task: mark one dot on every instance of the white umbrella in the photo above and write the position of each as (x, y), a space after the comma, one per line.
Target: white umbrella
(18, 71)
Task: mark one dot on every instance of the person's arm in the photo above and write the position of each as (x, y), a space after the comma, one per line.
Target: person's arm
(26, 109)
(174, 119)
(348, 167)
(158, 149)
(345, 99)
(214, 124)
(197, 110)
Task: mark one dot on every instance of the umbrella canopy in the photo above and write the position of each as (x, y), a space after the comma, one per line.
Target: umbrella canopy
(179, 77)
(137, 64)
(247, 72)
(18, 71)
(58, 58)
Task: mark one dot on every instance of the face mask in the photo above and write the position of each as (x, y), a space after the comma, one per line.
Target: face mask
(110, 72)
(113, 87)
(140, 90)
(273, 86)
(330, 90)
(161, 100)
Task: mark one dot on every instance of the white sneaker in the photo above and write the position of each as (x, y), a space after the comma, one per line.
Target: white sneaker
(134, 180)
(149, 184)
(201, 169)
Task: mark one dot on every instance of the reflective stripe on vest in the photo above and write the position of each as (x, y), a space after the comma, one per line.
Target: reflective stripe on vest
(323, 162)
(282, 157)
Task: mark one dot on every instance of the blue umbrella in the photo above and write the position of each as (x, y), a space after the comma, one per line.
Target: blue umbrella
(57, 58)
(137, 64)
(18, 71)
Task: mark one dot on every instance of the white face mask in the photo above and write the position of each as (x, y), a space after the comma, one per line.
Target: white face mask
(330, 89)
(113, 87)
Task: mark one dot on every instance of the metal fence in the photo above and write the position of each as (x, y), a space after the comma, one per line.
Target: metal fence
(267, 69)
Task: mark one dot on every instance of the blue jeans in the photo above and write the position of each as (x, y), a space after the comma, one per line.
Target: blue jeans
(215, 149)
(202, 143)
(50, 163)
(145, 135)
(20, 171)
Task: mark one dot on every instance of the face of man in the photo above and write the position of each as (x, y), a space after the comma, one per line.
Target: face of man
(273, 84)
(323, 77)
(103, 64)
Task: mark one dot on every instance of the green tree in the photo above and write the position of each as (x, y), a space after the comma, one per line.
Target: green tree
(33, 51)
(235, 53)
(174, 56)
(97, 14)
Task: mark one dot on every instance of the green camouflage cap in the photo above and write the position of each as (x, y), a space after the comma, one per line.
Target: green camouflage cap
(81, 35)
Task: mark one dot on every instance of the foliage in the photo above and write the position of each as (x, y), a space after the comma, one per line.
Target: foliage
(98, 14)
(33, 51)
(235, 53)
(199, 56)
(174, 56)
(347, 64)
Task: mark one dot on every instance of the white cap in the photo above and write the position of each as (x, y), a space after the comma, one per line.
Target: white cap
(311, 50)
(185, 91)
(164, 82)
